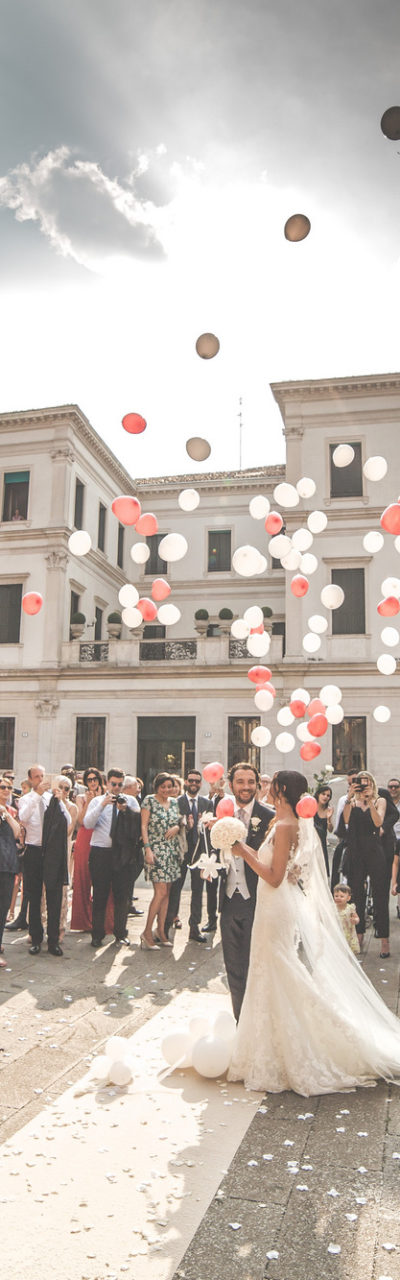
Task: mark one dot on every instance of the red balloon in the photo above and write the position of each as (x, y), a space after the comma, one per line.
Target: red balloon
(297, 708)
(225, 808)
(127, 510)
(257, 631)
(147, 524)
(213, 771)
(307, 805)
(160, 589)
(389, 607)
(299, 585)
(147, 608)
(259, 675)
(266, 684)
(318, 725)
(390, 518)
(134, 424)
(315, 706)
(309, 750)
(32, 602)
(273, 523)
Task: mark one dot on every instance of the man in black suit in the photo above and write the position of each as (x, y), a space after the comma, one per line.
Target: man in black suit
(238, 887)
(190, 805)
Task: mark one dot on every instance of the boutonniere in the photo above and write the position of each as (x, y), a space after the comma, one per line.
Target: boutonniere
(255, 822)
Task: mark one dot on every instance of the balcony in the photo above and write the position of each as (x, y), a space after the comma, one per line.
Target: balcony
(220, 650)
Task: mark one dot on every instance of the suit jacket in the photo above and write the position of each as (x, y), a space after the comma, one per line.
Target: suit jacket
(195, 841)
(255, 838)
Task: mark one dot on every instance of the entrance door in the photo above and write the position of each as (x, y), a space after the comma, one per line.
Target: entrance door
(165, 744)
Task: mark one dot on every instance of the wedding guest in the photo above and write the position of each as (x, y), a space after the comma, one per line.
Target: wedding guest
(81, 913)
(131, 788)
(9, 834)
(263, 790)
(360, 825)
(56, 825)
(323, 818)
(160, 835)
(31, 812)
(394, 789)
(191, 806)
(101, 816)
(347, 915)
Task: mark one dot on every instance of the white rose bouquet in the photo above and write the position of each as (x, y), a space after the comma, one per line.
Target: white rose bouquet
(223, 835)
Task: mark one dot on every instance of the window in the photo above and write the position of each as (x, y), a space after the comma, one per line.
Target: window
(101, 533)
(78, 513)
(346, 482)
(98, 613)
(279, 629)
(151, 651)
(219, 550)
(154, 564)
(240, 746)
(75, 602)
(165, 743)
(349, 744)
(10, 613)
(7, 734)
(16, 491)
(120, 547)
(90, 740)
(349, 619)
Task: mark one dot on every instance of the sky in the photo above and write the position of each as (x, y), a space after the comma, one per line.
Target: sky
(150, 155)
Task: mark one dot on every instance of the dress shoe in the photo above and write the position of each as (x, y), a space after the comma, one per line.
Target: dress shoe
(17, 924)
(210, 927)
(122, 942)
(96, 942)
(196, 937)
(34, 950)
(55, 951)
(133, 911)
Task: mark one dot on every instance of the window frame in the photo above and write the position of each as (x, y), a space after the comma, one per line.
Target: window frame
(8, 763)
(19, 585)
(101, 528)
(120, 545)
(253, 752)
(78, 481)
(332, 471)
(91, 753)
(9, 520)
(212, 532)
(161, 569)
(337, 730)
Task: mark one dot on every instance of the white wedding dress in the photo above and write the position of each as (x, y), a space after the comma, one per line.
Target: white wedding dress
(311, 1020)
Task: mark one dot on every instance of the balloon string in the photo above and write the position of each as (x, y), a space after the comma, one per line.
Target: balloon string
(168, 1070)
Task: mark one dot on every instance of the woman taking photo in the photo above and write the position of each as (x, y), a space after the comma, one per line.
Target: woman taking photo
(361, 826)
(81, 915)
(162, 856)
(9, 868)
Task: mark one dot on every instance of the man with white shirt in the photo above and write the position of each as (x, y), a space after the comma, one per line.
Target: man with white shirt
(31, 811)
(102, 814)
(238, 888)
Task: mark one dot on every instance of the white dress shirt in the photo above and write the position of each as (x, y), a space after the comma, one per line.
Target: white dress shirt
(236, 878)
(31, 810)
(100, 817)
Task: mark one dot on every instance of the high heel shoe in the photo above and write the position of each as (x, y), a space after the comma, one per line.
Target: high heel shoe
(147, 946)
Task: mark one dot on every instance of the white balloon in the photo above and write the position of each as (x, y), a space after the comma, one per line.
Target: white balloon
(311, 642)
(173, 547)
(285, 716)
(306, 487)
(128, 595)
(198, 1027)
(302, 539)
(188, 499)
(100, 1067)
(391, 587)
(116, 1048)
(279, 546)
(260, 736)
(253, 616)
(140, 552)
(120, 1073)
(334, 713)
(132, 617)
(292, 560)
(248, 561)
(224, 1026)
(258, 645)
(308, 563)
(386, 664)
(211, 1056)
(176, 1047)
(286, 495)
(373, 541)
(317, 623)
(332, 596)
(285, 742)
(302, 732)
(375, 468)
(343, 455)
(382, 714)
(80, 542)
(168, 614)
(331, 695)
(300, 695)
(390, 636)
(264, 700)
(239, 629)
(317, 521)
(259, 507)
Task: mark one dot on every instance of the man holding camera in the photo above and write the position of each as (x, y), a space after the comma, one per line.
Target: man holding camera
(102, 814)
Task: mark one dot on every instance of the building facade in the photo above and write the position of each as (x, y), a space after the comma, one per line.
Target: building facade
(177, 696)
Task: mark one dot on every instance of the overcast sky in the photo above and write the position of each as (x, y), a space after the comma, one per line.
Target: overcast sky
(151, 152)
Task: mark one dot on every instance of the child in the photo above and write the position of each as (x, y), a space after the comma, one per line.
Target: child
(347, 915)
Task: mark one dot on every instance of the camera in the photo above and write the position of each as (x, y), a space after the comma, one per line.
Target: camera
(120, 799)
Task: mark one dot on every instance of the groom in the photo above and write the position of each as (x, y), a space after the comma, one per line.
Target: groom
(238, 887)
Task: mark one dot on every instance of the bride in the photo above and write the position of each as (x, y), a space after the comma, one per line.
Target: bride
(311, 1021)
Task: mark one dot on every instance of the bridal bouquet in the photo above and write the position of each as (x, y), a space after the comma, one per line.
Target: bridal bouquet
(223, 835)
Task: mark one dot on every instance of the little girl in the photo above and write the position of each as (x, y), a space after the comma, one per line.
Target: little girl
(347, 915)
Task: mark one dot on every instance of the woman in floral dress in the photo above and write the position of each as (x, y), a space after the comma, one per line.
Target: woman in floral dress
(160, 833)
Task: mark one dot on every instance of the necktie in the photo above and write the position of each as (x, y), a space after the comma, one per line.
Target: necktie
(241, 813)
(194, 814)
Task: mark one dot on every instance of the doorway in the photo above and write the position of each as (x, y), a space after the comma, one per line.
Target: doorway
(165, 743)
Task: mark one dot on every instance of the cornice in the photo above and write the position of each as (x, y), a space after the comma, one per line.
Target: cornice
(383, 384)
(71, 416)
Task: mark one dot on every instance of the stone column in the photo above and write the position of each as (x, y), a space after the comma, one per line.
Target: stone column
(62, 457)
(56, 561)
(46, 708)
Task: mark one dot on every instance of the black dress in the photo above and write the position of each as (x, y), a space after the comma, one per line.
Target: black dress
(366, 857)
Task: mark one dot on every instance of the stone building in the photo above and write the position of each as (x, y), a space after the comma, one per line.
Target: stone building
(170, 697)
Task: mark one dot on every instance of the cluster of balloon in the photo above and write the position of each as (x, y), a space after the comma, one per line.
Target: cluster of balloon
(79, 543)
(188, 499)
(198, 448)
(213, 771)
(207, 346)
(134, 424)
(306, 807)
(115, 1065)
(206, 1045)
(32, 602)
(297, 227)
(390, 124)
(126, 509)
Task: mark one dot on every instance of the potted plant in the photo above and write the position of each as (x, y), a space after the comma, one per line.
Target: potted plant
(266, 611)
(114, 625)
(225, 617)
(201, 621)
(76, 625)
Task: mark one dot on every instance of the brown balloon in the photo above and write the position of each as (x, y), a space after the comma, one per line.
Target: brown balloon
(207, 346)
(390, 124)
(198, 449)
(297, 227)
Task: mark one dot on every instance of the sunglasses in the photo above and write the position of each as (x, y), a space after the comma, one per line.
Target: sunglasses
(4, 786)
(92, 777)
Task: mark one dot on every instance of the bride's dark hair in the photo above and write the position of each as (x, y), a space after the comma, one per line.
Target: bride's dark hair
(290, 784)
